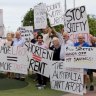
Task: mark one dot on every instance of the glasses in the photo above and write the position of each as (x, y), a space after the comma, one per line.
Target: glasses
(80, 38)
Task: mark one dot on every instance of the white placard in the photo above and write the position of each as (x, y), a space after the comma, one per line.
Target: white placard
(37, 56)
(75, 22)
(40, 18)
(13, 59)
(26, 32)
(80, 57)
(66, 79)
(55, 14)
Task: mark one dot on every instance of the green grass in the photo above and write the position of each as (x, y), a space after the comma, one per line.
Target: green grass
(29, 90)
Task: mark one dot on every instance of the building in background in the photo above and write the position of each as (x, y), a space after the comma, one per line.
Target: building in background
(1, 23)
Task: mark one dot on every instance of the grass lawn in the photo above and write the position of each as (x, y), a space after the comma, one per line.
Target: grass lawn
(28, 90)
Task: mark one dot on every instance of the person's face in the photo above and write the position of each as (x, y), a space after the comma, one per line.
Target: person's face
(35, 34)
(93, 40)
(45, 31)
(80, 39)
(56, 43)
(65, 37)
(9, 37)
(18, 35)
(12, 34)
(39, 39)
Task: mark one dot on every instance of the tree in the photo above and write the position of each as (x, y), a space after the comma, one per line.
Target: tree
(28, 19)
(92, 24)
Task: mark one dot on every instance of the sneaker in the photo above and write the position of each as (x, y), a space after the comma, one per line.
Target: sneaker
(37, 85)
(91, 88)
(44, 85)
(40, 87)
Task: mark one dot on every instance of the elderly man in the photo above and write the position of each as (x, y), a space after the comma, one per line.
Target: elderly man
(90, 71)
(67, 42)
(19, 41)
(81, 43)
(56, 48)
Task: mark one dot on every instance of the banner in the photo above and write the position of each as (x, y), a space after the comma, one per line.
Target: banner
(55, 14)
(26, 32)
(75, 22)
(66, 79)
(13, 59)
(37, 56)
(80, 57)
(40, 18)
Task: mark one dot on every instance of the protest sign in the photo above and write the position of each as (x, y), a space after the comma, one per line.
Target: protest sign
(66, 79)
(13, 59)
(39, 66)
(55, 14)
(1, 23)
(37, 56)
(40, 18)
(75, 22)
(80, 57)
(26, 32)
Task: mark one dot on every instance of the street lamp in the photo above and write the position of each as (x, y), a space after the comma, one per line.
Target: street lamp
(65, 3)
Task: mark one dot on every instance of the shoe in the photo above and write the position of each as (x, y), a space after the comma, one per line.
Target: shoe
(91, 88)
(43, 85)
(37, 85)
(17, 78)
(22, 79)
(40, 87)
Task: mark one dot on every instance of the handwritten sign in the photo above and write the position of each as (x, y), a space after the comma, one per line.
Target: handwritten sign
(66, 79)
(37, 56)
(13, 59)
(80, 57)
(26, 32)
(75, 22)
(55, 14)
(40, 18)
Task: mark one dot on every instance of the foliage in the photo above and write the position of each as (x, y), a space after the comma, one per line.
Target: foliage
(29, 20)
(92, 24)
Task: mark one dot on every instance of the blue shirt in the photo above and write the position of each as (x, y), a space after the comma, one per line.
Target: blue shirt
(19, 42)
(85, 44)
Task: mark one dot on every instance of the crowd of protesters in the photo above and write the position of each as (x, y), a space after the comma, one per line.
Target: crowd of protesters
(48, 38)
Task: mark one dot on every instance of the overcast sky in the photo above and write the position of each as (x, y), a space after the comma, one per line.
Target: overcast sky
(14, 10)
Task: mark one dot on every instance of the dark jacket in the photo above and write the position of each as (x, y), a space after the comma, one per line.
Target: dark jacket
(56, 55)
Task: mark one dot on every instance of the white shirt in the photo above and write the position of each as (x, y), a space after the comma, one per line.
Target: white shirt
(63, 46)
